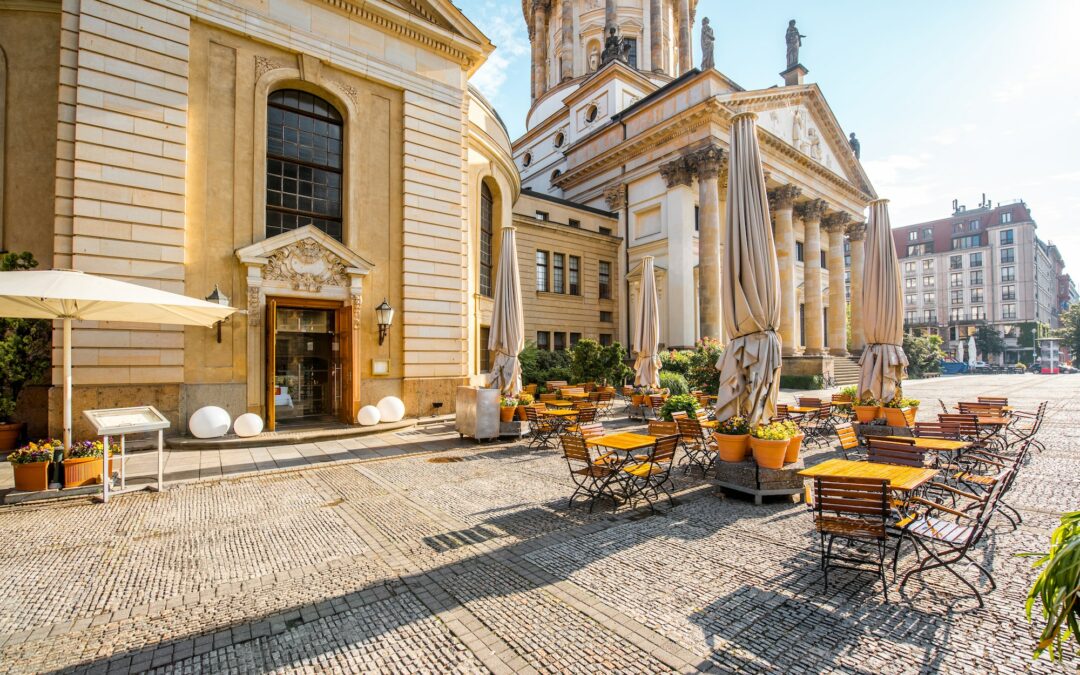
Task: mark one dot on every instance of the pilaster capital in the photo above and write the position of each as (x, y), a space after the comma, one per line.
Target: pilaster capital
(835, 223)
(615, 196)
(856, 231)
(540, 6)
(812, 210)
(677, 172)
(706, 162)
(783, 197)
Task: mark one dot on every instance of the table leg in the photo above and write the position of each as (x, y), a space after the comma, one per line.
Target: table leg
(160, 461)
(123, 462)
(105, 473)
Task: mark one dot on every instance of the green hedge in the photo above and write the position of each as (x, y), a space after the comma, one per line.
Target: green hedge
(805, 382)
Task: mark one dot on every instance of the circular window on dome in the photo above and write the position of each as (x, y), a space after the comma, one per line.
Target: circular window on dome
(555, 175)
(591, 113)
(526, 159)
(560, 138)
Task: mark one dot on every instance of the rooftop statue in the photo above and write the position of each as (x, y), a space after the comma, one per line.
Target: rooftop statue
(708, 39)
(794, 41)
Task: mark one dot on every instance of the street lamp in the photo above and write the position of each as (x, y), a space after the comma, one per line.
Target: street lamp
(218, 298)
(385, 315)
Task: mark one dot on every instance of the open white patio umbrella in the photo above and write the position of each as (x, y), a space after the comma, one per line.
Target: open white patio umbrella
(647, 332)
(507, 336)
(750, 289)
(971, 351)
(883, 361)
(70, 295)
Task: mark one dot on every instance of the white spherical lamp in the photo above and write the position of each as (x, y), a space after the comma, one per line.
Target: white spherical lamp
(391, 409)
(247, 425)
(368, 416)
(209, 422)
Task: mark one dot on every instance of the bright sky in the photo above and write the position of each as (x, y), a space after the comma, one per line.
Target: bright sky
(950, 98)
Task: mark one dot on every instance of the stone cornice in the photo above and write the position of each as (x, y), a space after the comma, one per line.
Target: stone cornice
(783, 197)
(812, 210)
(856, 231)
(835, 222)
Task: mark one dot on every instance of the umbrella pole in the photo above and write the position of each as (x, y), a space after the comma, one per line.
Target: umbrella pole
(67, 386)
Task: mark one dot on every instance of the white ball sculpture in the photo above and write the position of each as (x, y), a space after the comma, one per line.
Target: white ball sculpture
(391, 409)
(209, 422)
(368, 416)
(248, 424)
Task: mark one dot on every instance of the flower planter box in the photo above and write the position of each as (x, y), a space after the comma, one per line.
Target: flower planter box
(769, 454)
(506, 413)
(732, 448)
(792, 452)
(867, 413)
(895, 417)
(31, 477)
(10, 434)
(79, 471)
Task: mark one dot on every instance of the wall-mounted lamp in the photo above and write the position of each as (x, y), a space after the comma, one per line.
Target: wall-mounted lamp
(385, 315)
(218, 298)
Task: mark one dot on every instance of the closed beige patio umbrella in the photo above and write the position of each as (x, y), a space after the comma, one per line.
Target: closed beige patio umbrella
(647, 332)
(507, 336)
(750, 286)
(883, 362)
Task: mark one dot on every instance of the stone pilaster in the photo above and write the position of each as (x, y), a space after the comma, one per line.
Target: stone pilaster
(835, 224)
(781, 203)
(706, 164)
(686, 52)
(616, 198)
(566, 60)
(857, 235)
(679, 223)
(539, 48)
(656, 35)
(811, 213)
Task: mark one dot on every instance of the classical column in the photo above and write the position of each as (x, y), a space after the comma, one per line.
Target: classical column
(835, 224)
(723, 184)
(679, 223)
(781, 202)
(686, 52)
(656, 35)
(857, 235)
(811, 213)
(539, 47)
(616, 198)
(566, 61)
(706, 165)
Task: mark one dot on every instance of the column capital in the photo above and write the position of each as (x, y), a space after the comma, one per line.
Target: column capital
(835, 223)
(783, 197)
(706, 162)
(615, 195)
(856, 231)
(812, 210)
(541, 5)
(677, 172)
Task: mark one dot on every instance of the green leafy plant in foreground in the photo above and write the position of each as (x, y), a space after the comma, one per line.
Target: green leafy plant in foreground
(1057, 587)
(684, 402)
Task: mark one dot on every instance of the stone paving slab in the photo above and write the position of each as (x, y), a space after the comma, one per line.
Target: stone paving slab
(476, 564)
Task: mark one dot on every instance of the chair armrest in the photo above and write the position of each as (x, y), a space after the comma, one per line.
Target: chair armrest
(978, 459)
(949, 488)
(939, 507)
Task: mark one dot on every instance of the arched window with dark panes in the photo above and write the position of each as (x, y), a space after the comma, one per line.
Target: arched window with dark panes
(303, 163)
(487, 207)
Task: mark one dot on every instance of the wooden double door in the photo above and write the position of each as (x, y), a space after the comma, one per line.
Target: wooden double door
(309, 362)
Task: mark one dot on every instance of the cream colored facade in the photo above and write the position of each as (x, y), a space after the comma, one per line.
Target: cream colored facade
(156, 134)
(654, 150)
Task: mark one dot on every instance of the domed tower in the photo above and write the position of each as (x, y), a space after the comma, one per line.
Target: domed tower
(569, 37)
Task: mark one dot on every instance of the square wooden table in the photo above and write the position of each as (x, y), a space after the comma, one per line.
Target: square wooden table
(904, 478)
(558, 404)
(709, 424)
(562, 412)
(625, 442)
(802, 409)
(575, 397)
(938, 444)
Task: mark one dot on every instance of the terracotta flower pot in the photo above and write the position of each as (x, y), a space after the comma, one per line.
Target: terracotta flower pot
(866, 413)
(79, 471)
(506, 413)
(10, 434)
(522, 417)
(31, 477)
(769, 454)
(732, 448)
(894, 417)
(792, 453)
(637, 399)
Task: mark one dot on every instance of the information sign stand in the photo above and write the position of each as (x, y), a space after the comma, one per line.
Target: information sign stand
(121, 422)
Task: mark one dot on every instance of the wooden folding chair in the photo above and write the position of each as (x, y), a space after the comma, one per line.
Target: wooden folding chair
(852, 510)
(898, 452)
(591, 478)
(849, 442)
(697, 444)
(651, 477)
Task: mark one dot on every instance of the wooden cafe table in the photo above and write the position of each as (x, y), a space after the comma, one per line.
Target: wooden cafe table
(560, 418)
(903, 478)
(623, 442)
(801, 409)
(559, 404)
(937, 444)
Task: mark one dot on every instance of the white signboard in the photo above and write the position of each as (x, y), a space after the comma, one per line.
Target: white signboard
(118, 421)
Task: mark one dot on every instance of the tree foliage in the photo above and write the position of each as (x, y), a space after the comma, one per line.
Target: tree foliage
(924, 354)
(989, 341)
(591, 362)
(25, 345)
(697, 365)
(1070, 329)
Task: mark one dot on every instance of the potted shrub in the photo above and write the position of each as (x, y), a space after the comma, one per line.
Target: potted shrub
(866, 409)
(769, 443)
(524, 401)
(894, 411)
(640, 396)
(849, 394)
(733, 439)
(507, 409)
(1057, 588)
(912, 404)
(797, 436)
(82, 466)
(24, 356)
(30, 465)
(680, 402)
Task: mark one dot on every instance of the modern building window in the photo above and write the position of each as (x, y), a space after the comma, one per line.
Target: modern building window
(303, 163)
(558, 277)
(928, 233)
(605, 339)
(956, 314)
(956, 297)
(1008, 292)
(930, 315)
(957, 228)
(920, 249)
(1008, 255)
(485, 353)
(956, 279)
(487, 203)
(978, 313)
(543, 340)
(605, 280)
(976, 295)
(909, 268)
(928, 265)
(1008, 311)
(970, 241)
(973, 225)
(560, 341)
(928, 281)
(542, 271)
(928, 298)
(1008, 274)
(574, 223)
(1006, 237)
(1006, 217)
(574, 339)
(909, 316)
(913, 235)
(909, 298)
(910, 282)
(976, 277)
(575, 275)
(607, 317)
(800, 251)
(975, 259)
(543, 215)
(956, 262)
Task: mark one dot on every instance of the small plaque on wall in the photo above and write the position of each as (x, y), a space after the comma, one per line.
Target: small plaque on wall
(380, 367)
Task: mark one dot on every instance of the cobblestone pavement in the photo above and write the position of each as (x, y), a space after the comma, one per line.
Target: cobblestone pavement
(473, 563)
